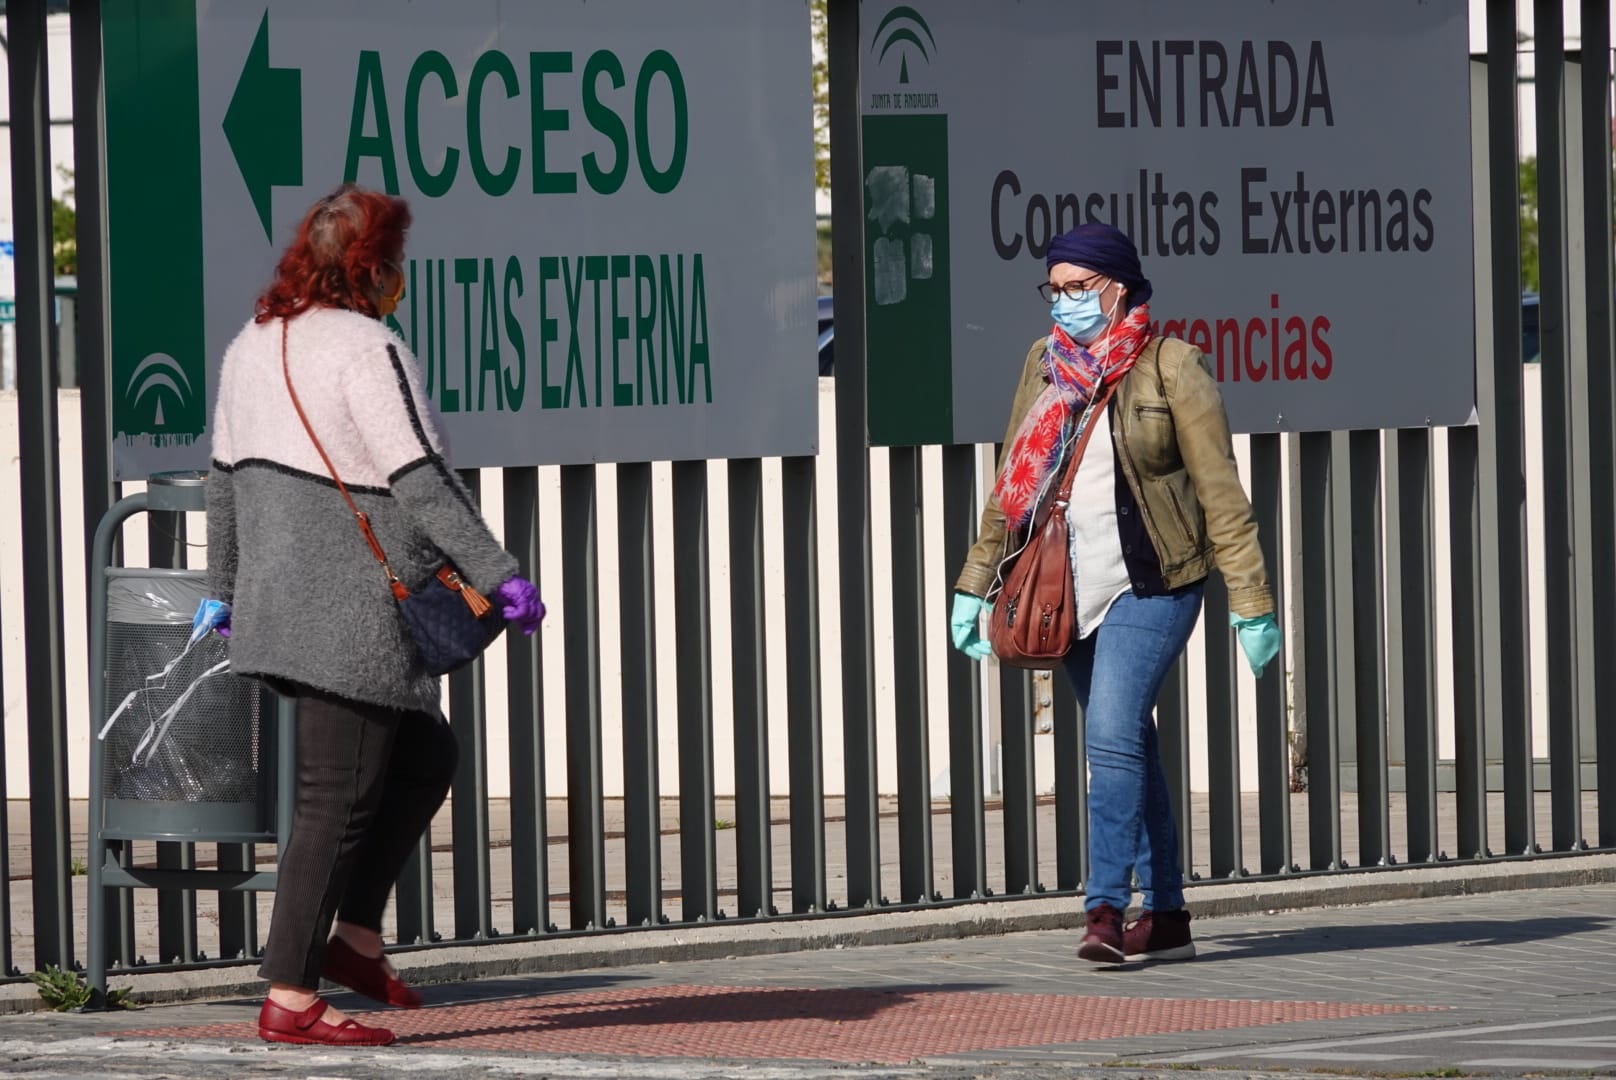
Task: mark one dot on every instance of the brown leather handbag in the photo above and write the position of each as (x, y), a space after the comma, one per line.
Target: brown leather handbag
(1034, 619)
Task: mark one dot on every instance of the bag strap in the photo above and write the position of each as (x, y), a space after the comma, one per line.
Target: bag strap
(1160, 384)
(1063, 494)
(399, 591)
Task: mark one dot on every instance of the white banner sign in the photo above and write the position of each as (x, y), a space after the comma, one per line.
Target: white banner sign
(613, 250)
(1296, 175)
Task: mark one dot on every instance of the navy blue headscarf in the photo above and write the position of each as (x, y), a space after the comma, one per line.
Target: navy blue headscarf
(1105, 250)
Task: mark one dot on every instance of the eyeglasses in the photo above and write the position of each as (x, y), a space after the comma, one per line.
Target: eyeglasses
(1072, 290)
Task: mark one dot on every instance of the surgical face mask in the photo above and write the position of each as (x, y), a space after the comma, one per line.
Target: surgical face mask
(387, 303)
(1082, 318)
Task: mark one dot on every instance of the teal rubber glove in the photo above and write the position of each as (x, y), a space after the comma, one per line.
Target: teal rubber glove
(1259, 639)
(964, 625)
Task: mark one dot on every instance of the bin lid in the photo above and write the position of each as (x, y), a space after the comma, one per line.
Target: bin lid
(182, 490)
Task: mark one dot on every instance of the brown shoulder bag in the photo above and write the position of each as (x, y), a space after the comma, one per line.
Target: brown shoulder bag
(1034, 619)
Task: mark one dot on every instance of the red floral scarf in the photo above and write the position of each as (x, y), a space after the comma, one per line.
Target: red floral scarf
(1075, 375)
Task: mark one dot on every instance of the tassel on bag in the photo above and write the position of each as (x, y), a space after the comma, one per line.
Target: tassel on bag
(475, 600)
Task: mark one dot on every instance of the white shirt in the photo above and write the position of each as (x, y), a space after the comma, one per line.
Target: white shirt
(1099, 573)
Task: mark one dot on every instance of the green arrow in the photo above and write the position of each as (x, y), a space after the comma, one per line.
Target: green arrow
(264, 126)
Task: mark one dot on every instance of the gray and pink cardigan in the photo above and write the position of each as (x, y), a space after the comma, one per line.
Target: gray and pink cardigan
(311, 605)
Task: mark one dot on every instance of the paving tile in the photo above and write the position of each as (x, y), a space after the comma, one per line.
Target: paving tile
(888, 1026)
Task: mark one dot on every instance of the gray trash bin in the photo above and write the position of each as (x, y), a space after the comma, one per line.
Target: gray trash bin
(185, 760)
(204, 775)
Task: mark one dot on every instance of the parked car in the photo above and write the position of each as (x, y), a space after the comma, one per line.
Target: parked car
(1531, 351)
(1531, 341)
(827, 337)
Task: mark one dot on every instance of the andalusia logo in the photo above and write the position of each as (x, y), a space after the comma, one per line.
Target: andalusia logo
(155, 377)
(154, 230)
(901, 29)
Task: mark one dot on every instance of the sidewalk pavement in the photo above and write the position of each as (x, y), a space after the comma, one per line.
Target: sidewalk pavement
(1471, 982)
(501, 871)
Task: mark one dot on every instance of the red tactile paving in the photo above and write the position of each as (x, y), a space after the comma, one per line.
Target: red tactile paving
(831, 1025)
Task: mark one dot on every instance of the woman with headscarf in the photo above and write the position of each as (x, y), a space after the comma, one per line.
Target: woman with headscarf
(1150, 516)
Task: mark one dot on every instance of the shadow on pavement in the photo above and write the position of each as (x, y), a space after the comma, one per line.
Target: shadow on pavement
(676, 1006)
(496, 989)
(1468, 933)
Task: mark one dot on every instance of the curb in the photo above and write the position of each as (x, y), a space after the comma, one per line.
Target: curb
(732, 939)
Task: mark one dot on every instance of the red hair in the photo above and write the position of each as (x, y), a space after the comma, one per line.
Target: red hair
(343, 241)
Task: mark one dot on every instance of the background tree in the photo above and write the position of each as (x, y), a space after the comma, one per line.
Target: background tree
(1530, 277)
(64, 229)
(816, 15)
(821, 76)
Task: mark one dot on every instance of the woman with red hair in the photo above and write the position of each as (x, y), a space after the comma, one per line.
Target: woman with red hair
(321, 416)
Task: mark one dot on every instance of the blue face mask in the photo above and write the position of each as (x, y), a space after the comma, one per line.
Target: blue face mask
(1083, 319)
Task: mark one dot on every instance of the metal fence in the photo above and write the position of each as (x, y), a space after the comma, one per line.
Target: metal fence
(1359, 571)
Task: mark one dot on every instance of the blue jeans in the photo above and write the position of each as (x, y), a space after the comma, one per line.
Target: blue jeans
(1117, 671)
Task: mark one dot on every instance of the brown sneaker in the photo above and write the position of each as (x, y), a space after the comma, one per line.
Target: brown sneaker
(1159, 935)
(1103, 941)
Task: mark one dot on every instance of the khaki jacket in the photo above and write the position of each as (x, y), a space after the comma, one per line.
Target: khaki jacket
(1172, 443)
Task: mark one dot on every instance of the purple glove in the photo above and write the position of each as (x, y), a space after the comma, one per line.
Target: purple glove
(522, 604)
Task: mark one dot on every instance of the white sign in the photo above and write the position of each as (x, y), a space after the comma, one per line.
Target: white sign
(1296, 175)
(612, 256)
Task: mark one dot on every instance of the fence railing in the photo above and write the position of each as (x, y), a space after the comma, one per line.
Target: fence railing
(744, 707)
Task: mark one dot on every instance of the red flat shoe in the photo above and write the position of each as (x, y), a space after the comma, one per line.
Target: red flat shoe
(276, 1023)
(363, 975)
